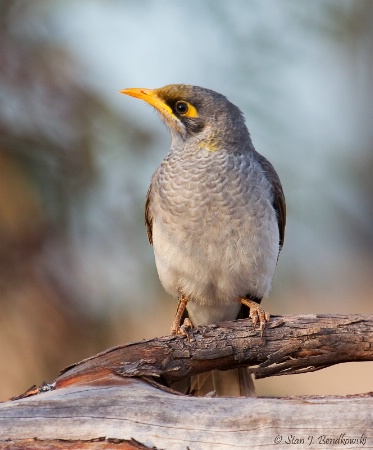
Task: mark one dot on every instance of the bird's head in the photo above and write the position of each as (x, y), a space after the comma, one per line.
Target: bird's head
(193, 112)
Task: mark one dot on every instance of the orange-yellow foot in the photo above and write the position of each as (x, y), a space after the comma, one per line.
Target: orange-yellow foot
(185, 328)
(257, 314)
(176, 328)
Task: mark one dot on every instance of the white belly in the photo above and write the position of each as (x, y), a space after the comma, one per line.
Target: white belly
(215, 231)
(217, 262)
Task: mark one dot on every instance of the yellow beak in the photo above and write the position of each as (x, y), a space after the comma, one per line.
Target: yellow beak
(150, 96)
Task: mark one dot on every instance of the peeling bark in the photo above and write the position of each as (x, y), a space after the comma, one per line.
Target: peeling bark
(291, 344)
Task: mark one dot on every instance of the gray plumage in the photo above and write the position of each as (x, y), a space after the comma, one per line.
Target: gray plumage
(211, 210)
(215, 213)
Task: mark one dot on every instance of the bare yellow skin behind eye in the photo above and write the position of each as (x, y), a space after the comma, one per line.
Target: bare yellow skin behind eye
(192, 112)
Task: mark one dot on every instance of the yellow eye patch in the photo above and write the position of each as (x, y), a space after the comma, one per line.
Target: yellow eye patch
(185, 109)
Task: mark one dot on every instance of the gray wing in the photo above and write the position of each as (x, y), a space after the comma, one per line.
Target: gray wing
(148, 216)
(278, 195)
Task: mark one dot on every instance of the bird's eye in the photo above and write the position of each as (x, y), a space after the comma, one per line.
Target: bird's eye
(185, 109)
(182, 107)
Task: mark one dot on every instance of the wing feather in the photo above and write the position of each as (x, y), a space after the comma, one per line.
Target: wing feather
(279, 203)
(148, 215)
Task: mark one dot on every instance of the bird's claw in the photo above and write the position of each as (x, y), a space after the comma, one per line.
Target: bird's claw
(257, 314)
(176, 328)
(182, 330)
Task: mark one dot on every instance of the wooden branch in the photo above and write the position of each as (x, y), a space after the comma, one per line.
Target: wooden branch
(291, 344)
(101, 402)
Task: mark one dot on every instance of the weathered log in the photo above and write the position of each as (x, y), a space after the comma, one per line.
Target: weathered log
(102, 402)
(120, 408)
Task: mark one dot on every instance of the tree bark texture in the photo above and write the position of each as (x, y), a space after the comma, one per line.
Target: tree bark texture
(291, 344)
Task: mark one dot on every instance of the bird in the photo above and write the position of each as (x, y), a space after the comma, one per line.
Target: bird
(215, 214)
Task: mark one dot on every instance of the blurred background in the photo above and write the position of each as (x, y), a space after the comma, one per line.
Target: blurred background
(77, 274)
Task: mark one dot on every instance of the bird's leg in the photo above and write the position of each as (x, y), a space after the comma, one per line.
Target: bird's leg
(257, 314)
(176, 328)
